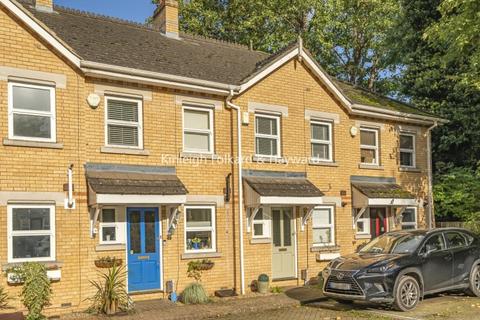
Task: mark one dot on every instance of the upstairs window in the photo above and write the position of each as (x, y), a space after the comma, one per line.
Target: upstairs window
(123, 123)
(321, 141)
(323, 223)
(407, 150)
(197, 130)
(31, 233)
(267, 136)
(369, 146)
(31, 112)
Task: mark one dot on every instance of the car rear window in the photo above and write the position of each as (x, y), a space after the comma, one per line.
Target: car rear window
(455, 239)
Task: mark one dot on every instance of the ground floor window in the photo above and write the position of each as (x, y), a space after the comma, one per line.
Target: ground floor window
(200, 229)
(409, 218)
(31, 233)
(261, 224)
(112, 226)
(323, 224)
(363, 223)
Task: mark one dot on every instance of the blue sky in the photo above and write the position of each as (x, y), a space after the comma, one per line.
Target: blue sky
(135, 10)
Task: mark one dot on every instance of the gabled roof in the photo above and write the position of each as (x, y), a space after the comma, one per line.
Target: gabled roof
(122, 50)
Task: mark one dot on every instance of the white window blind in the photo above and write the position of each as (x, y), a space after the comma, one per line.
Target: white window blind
(124, 122)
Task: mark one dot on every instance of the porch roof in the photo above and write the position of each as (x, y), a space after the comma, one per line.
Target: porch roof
(133, 184)
(384, 194)
(276, 190)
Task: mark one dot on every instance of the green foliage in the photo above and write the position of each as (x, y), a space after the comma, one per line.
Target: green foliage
(276, 289)
(111, 293)
(194, 293)
(3, 298)
(457, 193)
(195, 268)
(347, 37)
(263, 277)
(457, 33)
(36, 291)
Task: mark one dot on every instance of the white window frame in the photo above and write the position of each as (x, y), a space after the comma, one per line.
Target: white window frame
(365, 218)
(415, 224)
(331, 226)
(265, 223)
(119, 226)
(368, 147)
(51, 114)
(411, 151)
(212, 229)
(210, 131)
(322, 142)
(138, 125)
(12, 233)
(276, 137)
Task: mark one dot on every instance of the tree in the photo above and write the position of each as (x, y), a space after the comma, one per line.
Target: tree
(346, 36)
(457, 33)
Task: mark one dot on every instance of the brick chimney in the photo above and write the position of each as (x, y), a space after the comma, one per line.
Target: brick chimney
(44, 5)
(165, 17)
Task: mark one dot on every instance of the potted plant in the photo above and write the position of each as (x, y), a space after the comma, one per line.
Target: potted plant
(196, 243)
(263, 282)
(108, 262)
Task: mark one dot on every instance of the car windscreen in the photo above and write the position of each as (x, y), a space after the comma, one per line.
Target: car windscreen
(394, 243)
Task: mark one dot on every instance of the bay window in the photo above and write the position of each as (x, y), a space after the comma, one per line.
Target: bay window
(200, 229)
(31, 233)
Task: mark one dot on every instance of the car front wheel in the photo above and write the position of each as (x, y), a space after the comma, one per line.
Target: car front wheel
(407, 294)
(474, 288)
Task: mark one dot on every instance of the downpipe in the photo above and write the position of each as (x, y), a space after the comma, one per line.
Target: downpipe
(430, 175)
(240, 187)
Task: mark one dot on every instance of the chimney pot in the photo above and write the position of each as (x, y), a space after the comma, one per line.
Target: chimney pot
(44, 5)
(165, 17)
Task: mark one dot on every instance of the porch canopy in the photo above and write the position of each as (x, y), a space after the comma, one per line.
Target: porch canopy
(267, 188)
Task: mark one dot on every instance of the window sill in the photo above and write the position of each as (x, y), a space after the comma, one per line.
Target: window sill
(260, 240)
(363, 236)
(50, 265)
(32, 144)
(110, 247)
(266, 159)
(406, 169)
(333, 248)
(314, 162)
(370, 166)
(201, 255)
(118, 150)
(197, 155)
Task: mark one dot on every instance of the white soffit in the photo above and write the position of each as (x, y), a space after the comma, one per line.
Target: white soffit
(105, 199)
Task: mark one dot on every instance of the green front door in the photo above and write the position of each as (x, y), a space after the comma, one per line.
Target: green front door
(283, 254)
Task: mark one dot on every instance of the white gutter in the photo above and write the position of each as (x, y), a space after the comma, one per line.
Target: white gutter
(240, 187)
(395, 114)
(178, 82)
(430, 175)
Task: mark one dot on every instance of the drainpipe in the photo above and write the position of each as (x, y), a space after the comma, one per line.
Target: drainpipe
(430, 175)
(240, 186)
(70, 186)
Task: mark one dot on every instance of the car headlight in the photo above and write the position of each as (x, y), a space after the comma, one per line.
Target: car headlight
(383, 268)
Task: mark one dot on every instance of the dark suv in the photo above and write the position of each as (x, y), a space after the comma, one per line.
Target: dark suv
(401, 267)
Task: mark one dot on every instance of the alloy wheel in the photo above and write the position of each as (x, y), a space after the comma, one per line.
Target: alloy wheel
(409, 293)
(476, 278)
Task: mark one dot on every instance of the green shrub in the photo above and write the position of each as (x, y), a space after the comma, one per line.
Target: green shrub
(276, 290)
(194, 293)
(3, 298)
(36, 289)
(263, 278)
(111, 294)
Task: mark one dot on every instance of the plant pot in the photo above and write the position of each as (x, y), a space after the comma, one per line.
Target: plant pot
(196, 245)
(108, 264)
(263, 286)
(206, 266)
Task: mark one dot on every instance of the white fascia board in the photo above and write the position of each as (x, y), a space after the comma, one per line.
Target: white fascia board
(42, 31)
(247, 85)
(391, 202)
(109, 199)
(291, 200)
(397, 114)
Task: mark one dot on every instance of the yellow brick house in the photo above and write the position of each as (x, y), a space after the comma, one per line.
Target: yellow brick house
(159, 148)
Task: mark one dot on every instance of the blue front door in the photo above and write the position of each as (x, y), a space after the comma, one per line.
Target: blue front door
(143, 249)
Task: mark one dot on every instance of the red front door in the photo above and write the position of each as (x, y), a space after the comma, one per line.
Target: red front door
(378, 221)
